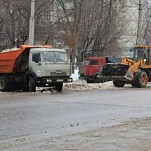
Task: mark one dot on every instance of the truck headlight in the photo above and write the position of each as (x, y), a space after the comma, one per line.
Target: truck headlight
(49, 80)
(40, 72)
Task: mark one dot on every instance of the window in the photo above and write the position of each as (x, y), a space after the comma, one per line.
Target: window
(49, 57)
(94, 62)
(85, 62)
(36, 57)
(61, 56)
(55, 56)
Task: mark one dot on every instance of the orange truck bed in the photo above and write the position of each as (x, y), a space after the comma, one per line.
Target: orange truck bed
(8, 58)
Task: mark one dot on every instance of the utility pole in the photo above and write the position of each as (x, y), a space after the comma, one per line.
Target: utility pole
(138, 41)
(32, 23)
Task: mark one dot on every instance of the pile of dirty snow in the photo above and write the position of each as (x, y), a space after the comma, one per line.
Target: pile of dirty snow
(83, 86)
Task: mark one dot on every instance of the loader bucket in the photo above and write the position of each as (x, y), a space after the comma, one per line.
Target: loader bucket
(132, 69)
(113, 71)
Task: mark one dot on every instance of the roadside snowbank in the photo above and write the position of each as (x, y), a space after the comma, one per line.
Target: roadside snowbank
(83, 86)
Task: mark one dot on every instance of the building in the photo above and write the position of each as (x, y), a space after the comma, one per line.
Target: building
(135, 15)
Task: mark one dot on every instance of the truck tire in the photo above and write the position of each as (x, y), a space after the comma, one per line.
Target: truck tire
(140, 79)
(31, 84)
(59, 86)
(118, 83)
(3, 84)
(89, 81)
(93, 80)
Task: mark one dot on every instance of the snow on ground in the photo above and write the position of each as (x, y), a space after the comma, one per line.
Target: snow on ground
(75, 75)
(81, 85)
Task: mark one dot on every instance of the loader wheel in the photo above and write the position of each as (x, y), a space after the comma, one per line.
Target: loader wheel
(133, 83)
(118, 83)
(3, 84)
(140, 79)
(31, 84)
(59, 86)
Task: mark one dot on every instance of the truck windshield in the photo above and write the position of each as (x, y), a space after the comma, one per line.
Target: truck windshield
(94, 62)
(55, 56)
(85, 62)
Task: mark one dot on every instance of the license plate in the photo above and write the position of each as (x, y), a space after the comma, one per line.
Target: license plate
(59, 80)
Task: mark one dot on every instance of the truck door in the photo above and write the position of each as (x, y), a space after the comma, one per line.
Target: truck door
(36, 64)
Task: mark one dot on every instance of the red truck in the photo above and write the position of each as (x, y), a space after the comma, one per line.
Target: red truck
(90, 68)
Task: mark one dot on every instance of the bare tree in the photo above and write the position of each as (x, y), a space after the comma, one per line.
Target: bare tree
(99, 26)
(75, 25)
(15, 25)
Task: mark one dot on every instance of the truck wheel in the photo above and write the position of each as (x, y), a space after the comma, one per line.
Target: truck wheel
(59, 86)
(3, 84)
(140, 79)
(89, 81)
(118, 83)
(31, 85)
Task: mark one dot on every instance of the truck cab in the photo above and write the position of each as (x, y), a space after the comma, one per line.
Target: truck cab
(90, 67)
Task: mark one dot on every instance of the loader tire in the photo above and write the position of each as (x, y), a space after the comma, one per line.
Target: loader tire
(133, 83)
(3, 84)
(118, 83)
(140, 79)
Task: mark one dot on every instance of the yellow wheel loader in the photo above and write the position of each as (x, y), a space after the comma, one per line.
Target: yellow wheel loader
(135, 71)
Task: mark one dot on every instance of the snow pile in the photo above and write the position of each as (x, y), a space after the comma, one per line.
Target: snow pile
(80, 85)
(83, 86)
(75, 75)
(8, 50)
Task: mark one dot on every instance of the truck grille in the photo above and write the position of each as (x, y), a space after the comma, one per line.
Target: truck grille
(57, 74)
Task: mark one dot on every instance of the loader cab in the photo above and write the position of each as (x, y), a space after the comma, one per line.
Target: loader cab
(141, 53)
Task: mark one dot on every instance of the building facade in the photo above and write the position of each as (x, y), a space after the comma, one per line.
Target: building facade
(135, 21)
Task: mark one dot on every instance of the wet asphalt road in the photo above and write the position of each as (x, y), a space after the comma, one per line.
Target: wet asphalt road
(23, 114)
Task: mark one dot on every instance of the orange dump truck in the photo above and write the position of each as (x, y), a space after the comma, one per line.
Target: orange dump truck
(28, 67)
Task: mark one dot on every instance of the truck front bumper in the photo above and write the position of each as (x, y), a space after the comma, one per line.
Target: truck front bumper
(55, 80)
